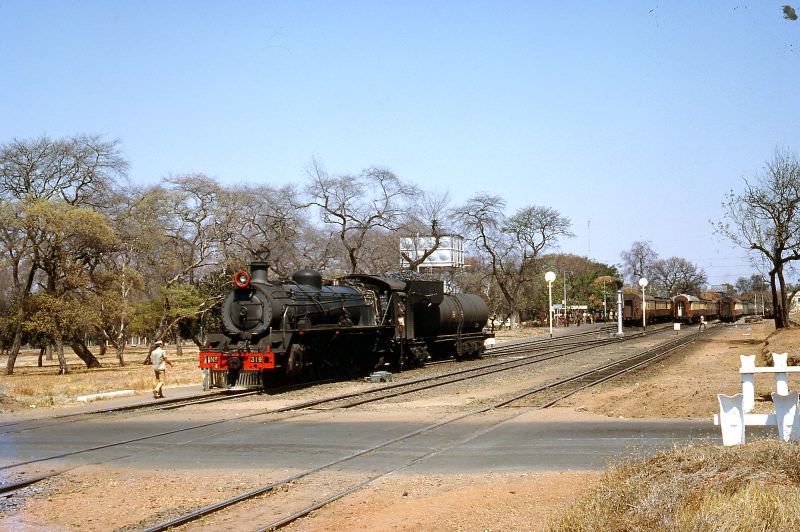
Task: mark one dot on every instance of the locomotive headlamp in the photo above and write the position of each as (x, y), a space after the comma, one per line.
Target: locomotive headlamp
(241, 279)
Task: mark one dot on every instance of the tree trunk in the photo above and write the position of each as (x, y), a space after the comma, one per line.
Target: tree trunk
(15, 346)
(62, 361)
(784, 299)
(120, 353)
(48, 354)
(120, 345)
(102, 346)
(17, 342)
(83, 352)
(41, 354)
(178, 346)
(777, 311)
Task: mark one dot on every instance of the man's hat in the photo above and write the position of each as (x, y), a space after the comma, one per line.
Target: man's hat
(158, 342)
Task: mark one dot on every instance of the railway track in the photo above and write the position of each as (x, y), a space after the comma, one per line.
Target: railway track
(226, 395)
(538, 351)
(537, 397)
(159, 405)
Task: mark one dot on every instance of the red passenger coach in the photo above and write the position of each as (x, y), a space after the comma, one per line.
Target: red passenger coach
(732, 309)
(688, 309)
(658, 309)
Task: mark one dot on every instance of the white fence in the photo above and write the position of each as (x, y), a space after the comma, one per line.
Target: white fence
(735, 410)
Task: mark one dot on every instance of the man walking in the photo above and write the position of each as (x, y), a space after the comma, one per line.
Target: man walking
(158, 356)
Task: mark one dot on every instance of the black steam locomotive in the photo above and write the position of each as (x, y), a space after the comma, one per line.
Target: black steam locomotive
(303, 329)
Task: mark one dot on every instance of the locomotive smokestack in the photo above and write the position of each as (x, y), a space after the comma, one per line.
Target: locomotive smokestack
(258, 272)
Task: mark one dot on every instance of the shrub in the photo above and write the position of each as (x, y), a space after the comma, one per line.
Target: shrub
(748, 487)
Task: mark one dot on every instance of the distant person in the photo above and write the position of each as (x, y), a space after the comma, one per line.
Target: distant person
(158, 357)
(702, 323)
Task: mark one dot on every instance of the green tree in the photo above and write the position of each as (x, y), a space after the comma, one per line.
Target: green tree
(72, 243)
(77, 171)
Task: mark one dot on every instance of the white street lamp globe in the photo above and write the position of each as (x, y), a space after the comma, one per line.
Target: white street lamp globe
(550, 277)
(643, 282)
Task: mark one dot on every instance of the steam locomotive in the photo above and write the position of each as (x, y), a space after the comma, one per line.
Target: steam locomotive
(274, 333)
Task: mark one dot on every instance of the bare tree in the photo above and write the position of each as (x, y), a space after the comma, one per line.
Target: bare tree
(512, 243)
(380, 252)
(428, 214)
(638, 260)
(138, 217)
(316, 248)
(356, 205)
(194, 228)
(677, 275)
(77, 170)
(765, 218)
(266, 224)
(750, 285)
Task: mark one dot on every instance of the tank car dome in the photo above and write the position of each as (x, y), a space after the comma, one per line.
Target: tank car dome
(308, 278)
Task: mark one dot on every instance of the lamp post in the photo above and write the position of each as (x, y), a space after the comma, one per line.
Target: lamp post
(566, 317)
(643, 284)
(550, 277)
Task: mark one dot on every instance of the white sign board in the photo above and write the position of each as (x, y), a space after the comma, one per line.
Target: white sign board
(449, 254)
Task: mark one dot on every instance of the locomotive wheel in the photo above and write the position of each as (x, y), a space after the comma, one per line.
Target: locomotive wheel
(294, 365)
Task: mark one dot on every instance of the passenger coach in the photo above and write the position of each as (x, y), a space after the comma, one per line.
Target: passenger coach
(732, 309)
(658, 309)
(688, 309)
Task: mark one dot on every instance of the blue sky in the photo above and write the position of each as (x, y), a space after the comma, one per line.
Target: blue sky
(636, 116)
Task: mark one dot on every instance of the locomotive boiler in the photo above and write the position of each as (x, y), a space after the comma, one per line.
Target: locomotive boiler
(303, 329)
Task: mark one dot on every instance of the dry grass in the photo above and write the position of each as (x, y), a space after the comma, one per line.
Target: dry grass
(749, 487)
(31, 386)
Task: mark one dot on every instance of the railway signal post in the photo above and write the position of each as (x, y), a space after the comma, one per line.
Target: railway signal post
(550, 277)
(619, 308)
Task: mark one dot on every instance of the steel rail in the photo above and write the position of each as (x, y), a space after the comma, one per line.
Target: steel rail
(659, 353)
(492, 368)
(210, 509)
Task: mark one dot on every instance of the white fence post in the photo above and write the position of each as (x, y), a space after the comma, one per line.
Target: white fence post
(781, 379)
(731, 419)
(734, 413)
(786, 414)
(748, 362)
